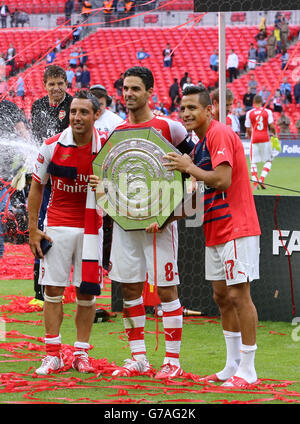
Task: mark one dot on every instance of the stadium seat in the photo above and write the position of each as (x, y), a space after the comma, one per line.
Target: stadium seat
(150, 19)
(238, 17)
(112, 50)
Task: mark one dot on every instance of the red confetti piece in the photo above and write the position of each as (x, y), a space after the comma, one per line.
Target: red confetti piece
(17, 263)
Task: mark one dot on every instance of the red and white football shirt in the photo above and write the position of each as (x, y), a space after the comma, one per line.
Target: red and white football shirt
(68, 197)
(228, 214)
(173, 131)
(259, 119)
(233, 122)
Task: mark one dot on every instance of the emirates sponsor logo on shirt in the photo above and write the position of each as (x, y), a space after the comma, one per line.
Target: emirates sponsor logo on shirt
(78, 186)
(61, 115)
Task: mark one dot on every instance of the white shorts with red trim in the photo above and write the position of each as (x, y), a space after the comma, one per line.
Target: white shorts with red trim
(66, 251)
(132, 256)
(236, 261)
(261, 152)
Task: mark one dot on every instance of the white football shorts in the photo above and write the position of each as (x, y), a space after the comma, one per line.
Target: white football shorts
(66, 251)
(236, 261)
(132, 256)
(262, 152)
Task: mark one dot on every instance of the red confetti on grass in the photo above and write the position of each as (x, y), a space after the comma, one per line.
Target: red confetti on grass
(23, 321)
(127, 390)
(17, 262)
(19, 305)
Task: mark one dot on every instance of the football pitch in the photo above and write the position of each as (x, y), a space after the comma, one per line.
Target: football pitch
(283, 178)
(202, 352)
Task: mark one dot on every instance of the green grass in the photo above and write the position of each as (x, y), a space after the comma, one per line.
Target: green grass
(202, 350)
(284, 176)
(202, 353)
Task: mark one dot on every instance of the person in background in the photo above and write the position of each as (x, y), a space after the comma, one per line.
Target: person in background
(271, 45)
(214, 61)
(258, 121)
(174, 94)
(262, 49)
(231, 119)
(118, 85)
(85, 77)
(297, 92)
(78, 74)
(20, 90)
(4, 13)
(69, 7)
(284, 58)
(265, 94)
(283, 123)
(141, 54)
(70, 76)
(252, 57)
(248, 99)
(51, 56)
(49, 116)
(252, 84)
(183, 79)
(77, 30)
(286, 91)
(161, 108)
(168, 55)
(277, 101)
(232, 65)
(277, 35)
(284, 31)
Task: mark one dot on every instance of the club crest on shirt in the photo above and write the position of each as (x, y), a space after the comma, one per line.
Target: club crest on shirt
(65, 156)
(61, 115)
(40, 158)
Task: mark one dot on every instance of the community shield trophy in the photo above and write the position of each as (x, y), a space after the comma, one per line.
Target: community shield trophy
(136, 189)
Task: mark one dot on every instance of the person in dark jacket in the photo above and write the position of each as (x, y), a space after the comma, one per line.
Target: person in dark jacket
(69, 6)
(49, 116)
(174, 94)
(85, 77)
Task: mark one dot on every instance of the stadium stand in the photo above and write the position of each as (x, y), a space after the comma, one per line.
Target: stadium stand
(37, 6)
(111, 50)
(32, 43)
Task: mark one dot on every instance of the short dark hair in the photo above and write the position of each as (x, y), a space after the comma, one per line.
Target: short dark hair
(215, 95)
(257, 99)
(100, 91)
(144, 73)
(204, 97)
(54, 71)
(87, 95)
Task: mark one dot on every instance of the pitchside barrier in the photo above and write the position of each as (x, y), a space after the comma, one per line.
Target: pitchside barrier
(289, 148)
(276, 294)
